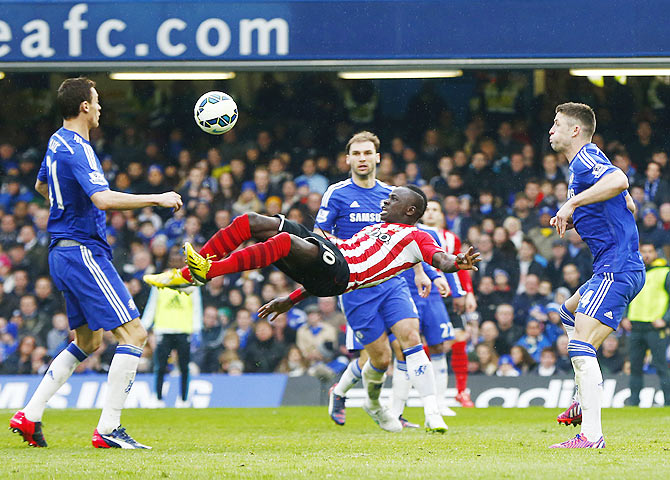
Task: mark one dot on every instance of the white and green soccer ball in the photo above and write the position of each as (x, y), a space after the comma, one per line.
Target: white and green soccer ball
(215, 112)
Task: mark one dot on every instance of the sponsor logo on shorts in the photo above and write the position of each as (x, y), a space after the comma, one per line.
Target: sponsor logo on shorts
(609, 315)
(131, 304)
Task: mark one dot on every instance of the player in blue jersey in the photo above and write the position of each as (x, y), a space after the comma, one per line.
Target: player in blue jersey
(436, 326)
(600, 210)
(80, 263)
(346, 208)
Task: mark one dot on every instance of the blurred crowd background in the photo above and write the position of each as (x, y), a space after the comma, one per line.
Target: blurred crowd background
(478, 144)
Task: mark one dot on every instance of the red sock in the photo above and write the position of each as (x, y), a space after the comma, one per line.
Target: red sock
(459, 363)
(224, 241)
(227, 239)
(255, 256)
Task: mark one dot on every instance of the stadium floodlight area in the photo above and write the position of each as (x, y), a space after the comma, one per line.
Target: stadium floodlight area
(171, 75)
(381, 74)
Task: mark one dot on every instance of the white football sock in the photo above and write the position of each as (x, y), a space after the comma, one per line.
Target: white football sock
(119, 382)
(350, 377)
(59, 371)
(421, 376)
(373, 378)
(439, 362)
(590, 384)
(401, 386)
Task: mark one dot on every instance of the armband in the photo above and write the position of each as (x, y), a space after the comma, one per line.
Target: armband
(298, 295)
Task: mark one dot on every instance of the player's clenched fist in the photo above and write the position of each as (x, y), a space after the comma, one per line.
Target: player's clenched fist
(170, 200)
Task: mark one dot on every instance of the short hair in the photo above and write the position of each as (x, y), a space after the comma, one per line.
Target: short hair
(582, 113)
(71, 93)
(364, 136)
(420, 207)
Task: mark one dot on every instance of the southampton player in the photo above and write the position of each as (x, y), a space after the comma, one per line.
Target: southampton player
(436, 326)
(80, 262)
(346, 208)
(374, 255)
(600, 209)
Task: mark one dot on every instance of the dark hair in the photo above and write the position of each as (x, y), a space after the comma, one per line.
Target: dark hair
(420, 206)
(581, 112)
(71, 93)
(364, 136)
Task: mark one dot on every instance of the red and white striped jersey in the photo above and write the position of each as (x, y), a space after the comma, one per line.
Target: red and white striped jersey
(383, 250)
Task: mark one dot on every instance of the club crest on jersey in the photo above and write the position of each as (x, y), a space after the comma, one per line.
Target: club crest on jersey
(381, 236)
(598, 170)
(97, 178)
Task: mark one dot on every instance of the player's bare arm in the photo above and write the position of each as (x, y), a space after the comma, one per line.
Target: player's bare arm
(42, 188)
(442, 286)
(111, 200)
(609, 186)
(421, 280)
(452, 263)
(282, 304)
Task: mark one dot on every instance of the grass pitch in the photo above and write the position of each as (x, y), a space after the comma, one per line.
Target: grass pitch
(302, 442)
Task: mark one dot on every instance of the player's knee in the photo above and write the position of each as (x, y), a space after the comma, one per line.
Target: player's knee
(90, 345)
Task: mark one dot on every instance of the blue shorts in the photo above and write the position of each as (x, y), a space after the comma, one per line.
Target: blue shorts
(373, 311)
(94, 292)
(605, 296)
(434, 320)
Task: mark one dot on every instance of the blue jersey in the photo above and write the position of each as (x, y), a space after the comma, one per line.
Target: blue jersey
(452, 278)
(73, 173)
(608, 227)
(346, 208)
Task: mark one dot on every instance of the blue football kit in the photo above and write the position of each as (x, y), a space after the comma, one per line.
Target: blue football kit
(79, 255)
(435, 325)
(609, 230)
(345, 209)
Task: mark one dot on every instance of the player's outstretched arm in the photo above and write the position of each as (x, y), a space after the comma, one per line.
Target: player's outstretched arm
(111, 200)
(282, 304)
(609, 186)
(451, 263)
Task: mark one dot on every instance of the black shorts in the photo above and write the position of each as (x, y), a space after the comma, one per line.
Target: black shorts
(326, 276)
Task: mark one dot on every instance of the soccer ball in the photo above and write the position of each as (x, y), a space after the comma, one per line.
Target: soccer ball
(215, 113)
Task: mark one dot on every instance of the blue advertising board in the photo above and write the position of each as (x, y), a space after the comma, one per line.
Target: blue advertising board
(101, 32)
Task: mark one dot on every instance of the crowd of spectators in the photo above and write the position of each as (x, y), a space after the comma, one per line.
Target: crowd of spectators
(497, 179)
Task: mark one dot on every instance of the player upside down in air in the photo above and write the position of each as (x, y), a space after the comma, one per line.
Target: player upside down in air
(323, 268)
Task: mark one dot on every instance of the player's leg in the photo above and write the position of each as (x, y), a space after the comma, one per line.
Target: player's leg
(636, 353)
(28, 421)
(161, 355)
(459, 361)
(242, 228)
(573, 414)
(351, 376)
(120, 378)
(401, 384)
(437, 330)
(598, 314)
(295, 251)
(420, 370)
(373, 373)
(183, 346)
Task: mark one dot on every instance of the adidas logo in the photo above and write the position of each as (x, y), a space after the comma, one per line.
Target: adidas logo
(354, 204)
(608, 315)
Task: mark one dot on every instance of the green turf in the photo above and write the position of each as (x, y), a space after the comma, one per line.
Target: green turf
(301, 442)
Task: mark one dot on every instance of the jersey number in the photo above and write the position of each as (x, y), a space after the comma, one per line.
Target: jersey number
(53, 170)
(328, 256)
